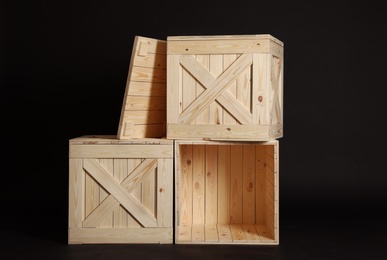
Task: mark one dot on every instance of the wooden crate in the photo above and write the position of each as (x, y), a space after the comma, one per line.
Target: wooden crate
(120, 191)
(225, 87)
(226, 192)
(143, 113)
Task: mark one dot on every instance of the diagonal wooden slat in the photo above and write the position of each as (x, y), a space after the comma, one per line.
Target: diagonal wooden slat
(226, 99)
(215, 89)
(130, 182)
(107, 181)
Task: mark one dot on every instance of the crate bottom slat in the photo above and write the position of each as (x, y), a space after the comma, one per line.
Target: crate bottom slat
(224, 234)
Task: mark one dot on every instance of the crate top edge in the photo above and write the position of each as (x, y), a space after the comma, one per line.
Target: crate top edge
(140, 37)
(224, 142)
(112, 139)
(225, 37)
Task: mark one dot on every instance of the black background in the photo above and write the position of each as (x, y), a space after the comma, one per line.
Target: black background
(63, 73)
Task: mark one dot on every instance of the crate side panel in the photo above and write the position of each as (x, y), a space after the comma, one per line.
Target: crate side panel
(145, 89)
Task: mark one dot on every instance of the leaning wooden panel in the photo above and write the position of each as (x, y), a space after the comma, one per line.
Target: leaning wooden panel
(143, 113)
(232, 82)
(120, 195)
(226, 193)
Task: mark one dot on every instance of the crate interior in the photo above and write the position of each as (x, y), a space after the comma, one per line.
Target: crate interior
(226, 193)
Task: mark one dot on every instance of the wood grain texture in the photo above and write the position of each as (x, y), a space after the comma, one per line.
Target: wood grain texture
(233, 191)
(225, 80)
(119, 200)
(145, 90)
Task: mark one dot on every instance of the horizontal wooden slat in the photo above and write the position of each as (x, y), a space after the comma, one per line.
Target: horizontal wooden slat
(112, 139)
(120, 235)
(224, 37)
(145, 117)
(154, 89)
(150, 60)
(154, 45)
(138, 103)
(224, 132)
(148, 75)
(151, 130)
(121, 151)
(225, 46)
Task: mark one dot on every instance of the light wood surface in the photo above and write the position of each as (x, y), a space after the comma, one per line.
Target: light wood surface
(118, 196)
(227, 192)
(225, 81)
(143, 113)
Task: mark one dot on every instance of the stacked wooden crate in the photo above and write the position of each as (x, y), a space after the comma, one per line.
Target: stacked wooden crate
(218, 100)
(228, 91)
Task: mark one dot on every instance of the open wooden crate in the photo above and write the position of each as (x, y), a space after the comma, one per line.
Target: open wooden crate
(226, 192)
(120, 191)
(227, 87)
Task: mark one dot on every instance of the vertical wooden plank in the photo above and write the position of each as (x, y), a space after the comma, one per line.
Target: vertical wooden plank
(92, 194)
(216, 110)
(274, 101)
(249, 184)
(184, 233)
(198, 233)
(264, 233)
(204, 116)
(177, 172)
(211, 191)
(188, 88)
(149, 192)
(224, 184)
(260, 191)
(243, 82)
(250, 233)
(261, 82)
(108, 165)
(185, 183)
(237, 233)
(211, 233)
(228, 59)
(236, 184)
(76, 193)
(164, 193)
(173, 91)
(224, 233)
(136, 193)
(198, 196)
(120, 173)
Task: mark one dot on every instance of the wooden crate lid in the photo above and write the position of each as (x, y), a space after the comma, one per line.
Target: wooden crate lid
(224, 44)
(143, 113)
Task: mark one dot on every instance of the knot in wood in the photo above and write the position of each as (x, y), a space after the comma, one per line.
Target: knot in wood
(260, 98)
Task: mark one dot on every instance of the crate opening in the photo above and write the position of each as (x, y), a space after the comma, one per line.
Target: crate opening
(226, 193)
